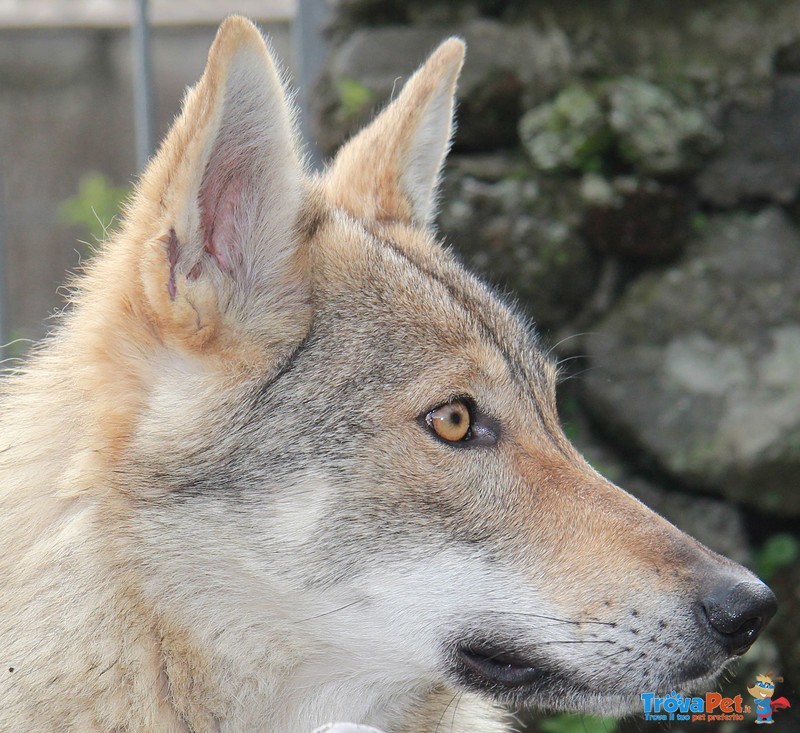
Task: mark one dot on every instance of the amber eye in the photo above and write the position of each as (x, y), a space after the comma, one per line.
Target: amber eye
(451, 422)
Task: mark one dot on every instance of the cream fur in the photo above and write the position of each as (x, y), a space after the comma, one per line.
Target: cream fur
(90, 648)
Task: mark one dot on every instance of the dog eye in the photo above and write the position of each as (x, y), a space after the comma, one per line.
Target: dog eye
(461, 424)
(451, 422)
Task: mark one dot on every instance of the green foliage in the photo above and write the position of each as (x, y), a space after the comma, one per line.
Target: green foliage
(95, 206)
(568, 410)
(777, 552)
(353, 97)
(578, 724)
(699, 222)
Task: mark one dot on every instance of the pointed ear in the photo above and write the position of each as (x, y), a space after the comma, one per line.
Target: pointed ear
(223, 195)
(391, 169)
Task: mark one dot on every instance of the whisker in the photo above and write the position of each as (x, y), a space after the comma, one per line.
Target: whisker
(567, 338)
(554, 618)
(580, 373)
(455, 712)
(614, 654)
(328, 613)
(575, 641)
(444, 712)
(568, 359)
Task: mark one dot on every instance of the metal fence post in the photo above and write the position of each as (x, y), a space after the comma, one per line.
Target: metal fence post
(142, 84)
(310, 47)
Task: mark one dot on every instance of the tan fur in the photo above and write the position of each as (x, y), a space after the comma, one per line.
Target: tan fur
(219, 508)
(364, 177)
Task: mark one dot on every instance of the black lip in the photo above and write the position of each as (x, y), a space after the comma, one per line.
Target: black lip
(498, 667)
(516, 678)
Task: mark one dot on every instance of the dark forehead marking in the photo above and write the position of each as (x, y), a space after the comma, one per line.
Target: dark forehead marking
(467, 303)
(473, 309)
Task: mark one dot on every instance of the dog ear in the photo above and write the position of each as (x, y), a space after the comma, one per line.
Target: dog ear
(224, 258)
(391, 169)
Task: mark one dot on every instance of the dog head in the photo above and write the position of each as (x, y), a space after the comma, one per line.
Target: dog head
(764, 686)
(343, 456)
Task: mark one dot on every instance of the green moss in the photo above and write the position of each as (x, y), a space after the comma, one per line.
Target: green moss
(655, 132)
(619, 124)
(569, 133)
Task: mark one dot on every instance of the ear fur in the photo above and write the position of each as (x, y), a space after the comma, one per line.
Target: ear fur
(391, 169)
(228, 183)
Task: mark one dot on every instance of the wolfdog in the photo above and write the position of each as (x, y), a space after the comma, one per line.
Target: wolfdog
(285, 462)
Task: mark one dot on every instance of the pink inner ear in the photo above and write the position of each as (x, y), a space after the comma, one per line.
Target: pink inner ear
(222, 211)
(172, 256)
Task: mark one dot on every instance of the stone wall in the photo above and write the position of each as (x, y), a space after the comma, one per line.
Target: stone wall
(630, 172)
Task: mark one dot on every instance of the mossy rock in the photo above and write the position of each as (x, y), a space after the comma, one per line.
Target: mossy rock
(569, 133)
(696, 366)
(622, 125)
(654, 132)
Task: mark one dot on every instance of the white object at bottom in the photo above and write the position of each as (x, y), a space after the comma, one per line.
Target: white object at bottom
(346, 728)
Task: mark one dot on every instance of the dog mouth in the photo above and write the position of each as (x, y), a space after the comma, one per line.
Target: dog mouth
(522, 678)
(492, 667)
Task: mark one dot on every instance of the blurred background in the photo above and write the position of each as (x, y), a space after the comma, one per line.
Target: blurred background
(628, 169)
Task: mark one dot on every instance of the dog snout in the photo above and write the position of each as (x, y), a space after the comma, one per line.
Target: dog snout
(737, 612)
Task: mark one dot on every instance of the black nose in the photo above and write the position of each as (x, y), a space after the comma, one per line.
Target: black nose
(739, 612)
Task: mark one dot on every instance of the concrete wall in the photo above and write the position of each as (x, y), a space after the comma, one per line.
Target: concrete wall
(65, 111)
